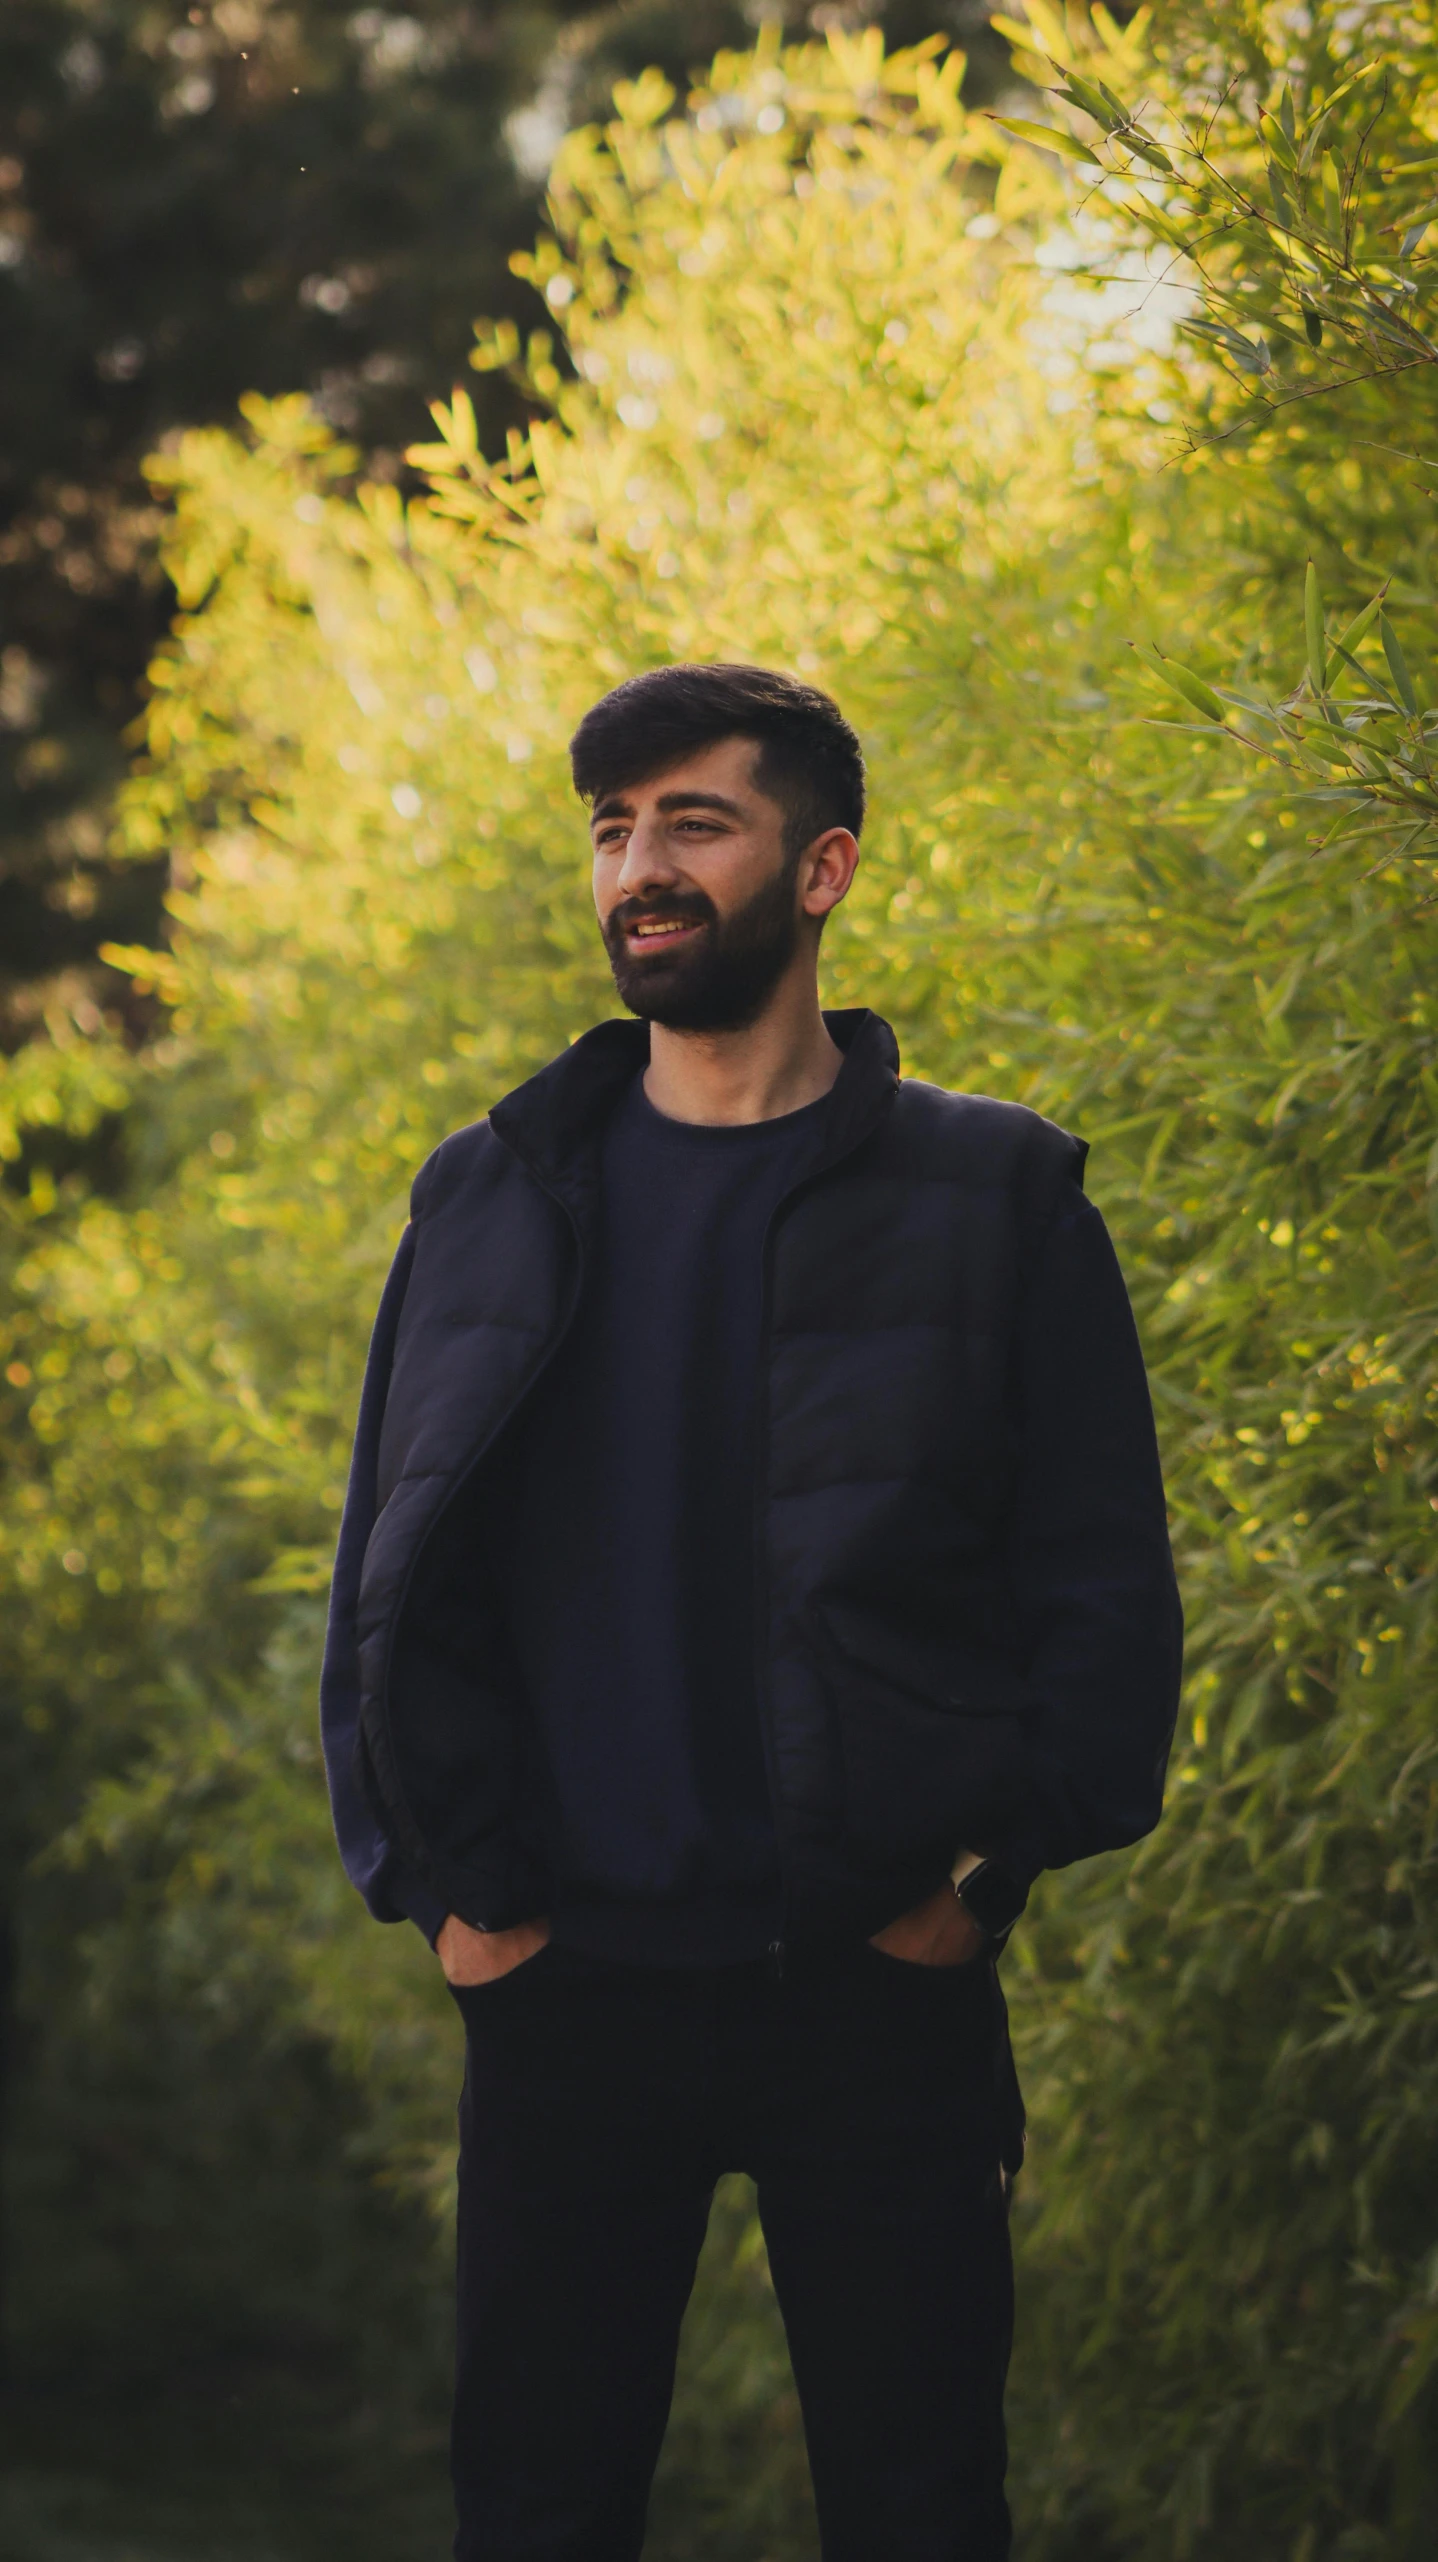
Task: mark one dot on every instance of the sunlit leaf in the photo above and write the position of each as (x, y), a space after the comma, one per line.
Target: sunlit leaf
(1048, 137)
(1313, 630)
(1397, 665)
(1181, 680)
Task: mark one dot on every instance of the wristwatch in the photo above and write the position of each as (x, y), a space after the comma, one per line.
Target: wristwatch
(992, 1898)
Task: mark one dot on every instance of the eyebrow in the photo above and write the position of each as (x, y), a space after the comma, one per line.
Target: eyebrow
(614, 805)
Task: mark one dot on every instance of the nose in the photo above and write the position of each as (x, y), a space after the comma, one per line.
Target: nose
(648, 864)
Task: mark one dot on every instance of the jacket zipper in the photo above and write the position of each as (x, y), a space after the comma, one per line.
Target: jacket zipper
(761, 1580)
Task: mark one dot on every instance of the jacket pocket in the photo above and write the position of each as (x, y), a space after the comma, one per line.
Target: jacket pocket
(927, 1768)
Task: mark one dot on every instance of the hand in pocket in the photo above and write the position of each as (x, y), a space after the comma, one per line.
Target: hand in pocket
(481, 1956)
(938, 1932)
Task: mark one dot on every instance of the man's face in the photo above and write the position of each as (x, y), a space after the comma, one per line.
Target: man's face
(698, 903)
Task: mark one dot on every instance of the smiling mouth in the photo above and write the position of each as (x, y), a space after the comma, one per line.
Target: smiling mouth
(668, 929)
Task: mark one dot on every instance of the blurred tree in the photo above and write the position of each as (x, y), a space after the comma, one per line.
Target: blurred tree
(198, 201)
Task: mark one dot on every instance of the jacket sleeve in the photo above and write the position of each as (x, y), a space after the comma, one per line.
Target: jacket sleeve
(1089, 1559)
(369, 1858)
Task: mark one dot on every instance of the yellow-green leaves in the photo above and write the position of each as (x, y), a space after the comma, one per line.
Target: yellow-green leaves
(1278, 133)
(1353, 638)
(643, 101)
(1398, 666)
(1262, 204)
(1356, 753)
(1248, 355)
(1095, 99)
(1047, 138)
(1182, 681)
(1313, 631)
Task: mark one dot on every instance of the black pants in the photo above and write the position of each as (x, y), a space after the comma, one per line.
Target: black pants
(601, 2104)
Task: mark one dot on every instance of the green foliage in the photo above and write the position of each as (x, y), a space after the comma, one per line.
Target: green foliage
(1303, 213)
(198, 201)
(1275, 213)
(840, 399)
(200, 198)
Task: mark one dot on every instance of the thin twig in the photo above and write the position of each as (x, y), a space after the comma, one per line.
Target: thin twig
(1312, 391)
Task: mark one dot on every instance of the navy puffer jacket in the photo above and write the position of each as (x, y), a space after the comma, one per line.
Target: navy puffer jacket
(969, 1630)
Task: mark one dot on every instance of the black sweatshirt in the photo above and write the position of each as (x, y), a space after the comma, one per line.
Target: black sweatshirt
(632, 1578)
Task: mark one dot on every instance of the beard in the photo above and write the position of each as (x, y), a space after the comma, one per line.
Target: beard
(720, 979)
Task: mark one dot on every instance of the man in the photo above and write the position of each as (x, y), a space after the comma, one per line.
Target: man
(754, 1572)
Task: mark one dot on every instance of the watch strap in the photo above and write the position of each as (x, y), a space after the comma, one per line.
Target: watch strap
(991, 1897)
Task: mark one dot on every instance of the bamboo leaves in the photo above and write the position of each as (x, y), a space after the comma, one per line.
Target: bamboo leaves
(1398, 667)
(1183, 682)
(1048, 138)
(1313, 632)
(1276, 262)
(1292, 275)
(1367, 752)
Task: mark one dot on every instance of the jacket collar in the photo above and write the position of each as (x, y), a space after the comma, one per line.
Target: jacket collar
(553, 1120)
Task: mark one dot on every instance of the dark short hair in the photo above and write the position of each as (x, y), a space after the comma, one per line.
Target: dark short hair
(810, 761)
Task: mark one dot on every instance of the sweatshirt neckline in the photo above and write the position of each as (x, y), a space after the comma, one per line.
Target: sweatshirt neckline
(718, 1134)
(554, 1119)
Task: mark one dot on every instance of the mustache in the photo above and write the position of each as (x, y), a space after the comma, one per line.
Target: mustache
(690, 907)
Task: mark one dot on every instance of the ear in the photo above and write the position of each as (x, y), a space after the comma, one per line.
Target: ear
(826, 868)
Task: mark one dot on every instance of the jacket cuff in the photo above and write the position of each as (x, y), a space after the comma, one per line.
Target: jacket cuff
(1019, 1853)
(418, 1904)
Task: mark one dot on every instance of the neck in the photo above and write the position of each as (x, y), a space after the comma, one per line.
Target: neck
(775, 1065)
